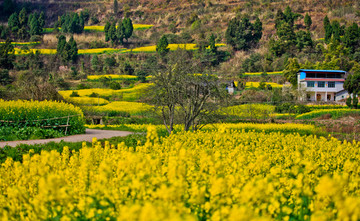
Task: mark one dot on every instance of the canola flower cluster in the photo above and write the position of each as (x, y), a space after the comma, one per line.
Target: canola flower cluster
(304, 129)
(149, 49)
(116, 107)
(19, 51)
(23, 43)
(260, 73)
(100, 28)
(111, 76)
(217, 175)
(129, 94)
(23, 113)
(250, 111)
(172, 47)
(256, 84)
(334, 113)
(87, 100)
(114, 77)
(326, 106)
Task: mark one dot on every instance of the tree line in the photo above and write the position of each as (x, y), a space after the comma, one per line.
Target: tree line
(116, 32)
(23, 25)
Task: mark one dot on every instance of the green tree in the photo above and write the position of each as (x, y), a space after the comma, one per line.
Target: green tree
(7, 55)
(307, 21)
(128, 28)
(286, 39)
(257, 29)
(303, 39)
(352, 85)
(351, 37)
(23, 18)
(328, 29)
(290, 17)
(291, 71)
(241, 33)
(35, 28)
(120, 32)
(279, 18)
(335, 25)
(41, 20)
(13, 23)
(162, 46)
(61, 44)
(106, 30)
(96, 63)
(112, 33)
(73, 51)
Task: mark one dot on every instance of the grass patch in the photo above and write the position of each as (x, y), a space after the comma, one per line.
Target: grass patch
(332, 113)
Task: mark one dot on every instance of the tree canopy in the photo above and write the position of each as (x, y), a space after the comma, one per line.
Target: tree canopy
(241, 34)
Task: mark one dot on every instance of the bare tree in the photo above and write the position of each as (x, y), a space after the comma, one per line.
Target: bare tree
(182, 93)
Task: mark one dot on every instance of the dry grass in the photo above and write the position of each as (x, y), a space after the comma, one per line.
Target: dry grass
(50, 40)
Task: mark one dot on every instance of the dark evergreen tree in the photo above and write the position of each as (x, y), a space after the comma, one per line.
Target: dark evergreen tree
(328, 29)
(61, 44)
(120, 32)
(35, 28)
(307, 21)
(280, 18)
(112, 33)
(95, 63)
(257, 29)
(352, 37)
(23, 18)
(7, 55)
(162, 46)
(290, 17)
(303, 39)
(335, 25)
(73, 51)
(241, 34)
(352, 85)
(13, 23)
(106, 30)
(128, 28)
(41, 20)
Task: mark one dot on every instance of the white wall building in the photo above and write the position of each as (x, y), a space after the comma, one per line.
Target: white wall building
(322, 85)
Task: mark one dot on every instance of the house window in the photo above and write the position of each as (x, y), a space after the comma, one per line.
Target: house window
(321, 84)
(331, 84)
(310, 84)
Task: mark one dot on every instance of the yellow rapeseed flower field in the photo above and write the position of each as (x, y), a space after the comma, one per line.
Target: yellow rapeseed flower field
(172, 47)
(111, 76)
(124, 107)
(125, 94)
(260, 73)
(256, 84)
(87, 100)
(206, 175)
(250, 111)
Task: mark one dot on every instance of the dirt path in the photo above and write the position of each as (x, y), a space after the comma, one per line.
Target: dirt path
(90, 133)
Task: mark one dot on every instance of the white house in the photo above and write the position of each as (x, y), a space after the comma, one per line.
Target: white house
(322, 85)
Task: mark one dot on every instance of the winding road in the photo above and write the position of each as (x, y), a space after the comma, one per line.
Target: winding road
(89, 134)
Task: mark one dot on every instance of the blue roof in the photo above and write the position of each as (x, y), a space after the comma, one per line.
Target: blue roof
(333, 71)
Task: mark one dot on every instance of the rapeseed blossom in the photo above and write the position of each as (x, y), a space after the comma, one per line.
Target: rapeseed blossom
(215, 175)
